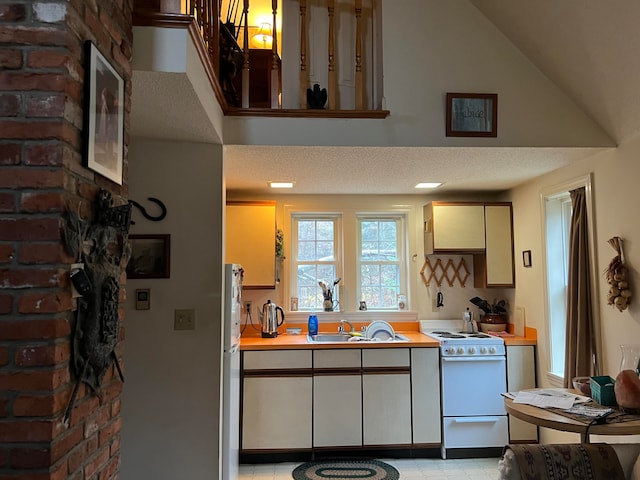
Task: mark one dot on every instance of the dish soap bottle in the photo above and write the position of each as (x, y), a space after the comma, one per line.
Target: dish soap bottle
(313, 323)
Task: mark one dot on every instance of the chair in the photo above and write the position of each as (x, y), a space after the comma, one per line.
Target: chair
(560, 461)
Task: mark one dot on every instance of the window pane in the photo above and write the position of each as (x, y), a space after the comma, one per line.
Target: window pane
(315, 256)
(306, 230)
(380, 285)
(379, 240)
(558, 225)
(324, 230)
(324, 251)
(315, 240)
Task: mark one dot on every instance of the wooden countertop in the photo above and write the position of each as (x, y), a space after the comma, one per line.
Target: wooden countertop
(252, 340)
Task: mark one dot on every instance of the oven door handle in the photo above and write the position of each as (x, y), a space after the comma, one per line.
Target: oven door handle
(491, 419)
(496, 358)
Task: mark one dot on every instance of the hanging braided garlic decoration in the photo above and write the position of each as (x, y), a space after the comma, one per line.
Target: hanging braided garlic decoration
(616, 274)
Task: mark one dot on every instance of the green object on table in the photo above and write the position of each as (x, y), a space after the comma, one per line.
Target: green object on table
(602, 390)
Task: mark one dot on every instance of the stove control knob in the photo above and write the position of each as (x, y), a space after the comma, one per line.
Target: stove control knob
(449, 350)
(483, 350)
(492, 350)
(460, 350)
(472, 350)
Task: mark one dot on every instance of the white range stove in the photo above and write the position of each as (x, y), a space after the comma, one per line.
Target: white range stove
(472, 365)
(456, 342)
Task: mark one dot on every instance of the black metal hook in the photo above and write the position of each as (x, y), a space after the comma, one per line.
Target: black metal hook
(144, 211)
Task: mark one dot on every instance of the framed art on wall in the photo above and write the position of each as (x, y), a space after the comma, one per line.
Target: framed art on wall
(472, 115)
(150, 256)
(104, 116)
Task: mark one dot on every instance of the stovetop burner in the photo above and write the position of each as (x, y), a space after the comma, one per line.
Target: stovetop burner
(444, 334)
(479, 335)
(448, 334)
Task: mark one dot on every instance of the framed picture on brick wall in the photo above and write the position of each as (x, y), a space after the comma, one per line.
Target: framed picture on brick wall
(104, 116)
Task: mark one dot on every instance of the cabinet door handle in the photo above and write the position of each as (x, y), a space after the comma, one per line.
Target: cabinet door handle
(497, 358)
(476, 419)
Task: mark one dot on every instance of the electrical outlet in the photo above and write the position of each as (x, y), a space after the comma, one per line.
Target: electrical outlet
(247, 306)
(184, 319)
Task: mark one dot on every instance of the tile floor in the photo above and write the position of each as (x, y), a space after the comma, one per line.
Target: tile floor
(414, 468)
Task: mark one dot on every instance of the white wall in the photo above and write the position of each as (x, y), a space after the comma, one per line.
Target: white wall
(431, 47)
(616, 193)
(171, 393)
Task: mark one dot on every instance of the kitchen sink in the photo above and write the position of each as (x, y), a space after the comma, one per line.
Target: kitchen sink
(328, 338)
(340, 337)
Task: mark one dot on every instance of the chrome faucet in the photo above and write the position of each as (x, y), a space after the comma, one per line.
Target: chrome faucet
(341, 326)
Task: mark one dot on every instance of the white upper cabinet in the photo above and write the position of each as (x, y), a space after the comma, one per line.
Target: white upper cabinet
(484, 230)
(499, 251)
(495, 267)
(453, 227)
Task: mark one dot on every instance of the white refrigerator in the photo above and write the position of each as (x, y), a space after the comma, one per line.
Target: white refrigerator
(231, 371)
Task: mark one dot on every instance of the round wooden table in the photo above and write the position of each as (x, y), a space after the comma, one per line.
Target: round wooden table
(549, 419)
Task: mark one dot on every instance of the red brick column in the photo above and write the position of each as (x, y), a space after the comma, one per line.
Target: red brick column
(41, 174)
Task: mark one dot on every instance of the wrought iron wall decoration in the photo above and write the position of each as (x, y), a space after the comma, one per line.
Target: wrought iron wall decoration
(101, 246)
(163, 210)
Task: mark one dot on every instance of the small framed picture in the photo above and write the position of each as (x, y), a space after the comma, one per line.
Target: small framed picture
(526, 258)
(472, 115)
(104, 116)
(150, 256)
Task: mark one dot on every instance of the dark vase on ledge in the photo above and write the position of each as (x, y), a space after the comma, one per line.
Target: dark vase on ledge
(316, 98)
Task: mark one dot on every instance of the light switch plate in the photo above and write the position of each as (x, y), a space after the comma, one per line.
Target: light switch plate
(184, 319)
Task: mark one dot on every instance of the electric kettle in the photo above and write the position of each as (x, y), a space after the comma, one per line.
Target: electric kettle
(269, 319)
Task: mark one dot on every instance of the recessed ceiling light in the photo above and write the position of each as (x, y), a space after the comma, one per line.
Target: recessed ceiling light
(428, 185)
(280, 184)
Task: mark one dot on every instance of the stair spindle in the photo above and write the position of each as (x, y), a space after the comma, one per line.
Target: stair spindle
(303, 53)
(359, 84)
(274, 93)
(333, 82)
(245, 63)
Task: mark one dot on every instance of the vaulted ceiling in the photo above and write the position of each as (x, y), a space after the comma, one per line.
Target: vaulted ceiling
(587, 48)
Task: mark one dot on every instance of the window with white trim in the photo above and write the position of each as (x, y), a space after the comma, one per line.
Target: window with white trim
(316, 257)
(381, 260)
(365, 252)
(558, 226)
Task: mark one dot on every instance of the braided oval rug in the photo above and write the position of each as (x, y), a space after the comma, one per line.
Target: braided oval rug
(345, 468)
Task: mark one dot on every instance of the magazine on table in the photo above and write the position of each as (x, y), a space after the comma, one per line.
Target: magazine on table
(547, 398)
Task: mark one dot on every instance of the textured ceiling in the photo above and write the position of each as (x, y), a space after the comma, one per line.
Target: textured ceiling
(393, 170)
(586, 47)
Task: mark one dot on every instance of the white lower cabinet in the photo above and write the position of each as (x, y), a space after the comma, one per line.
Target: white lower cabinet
(277, 408)
(386, 397)
(386, 409)
(337, 398)
(521, 375)
(425, 395)
(341, 398)
(276, 412)
(337, 418)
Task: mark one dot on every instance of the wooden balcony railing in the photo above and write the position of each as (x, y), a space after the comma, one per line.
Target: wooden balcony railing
(248, 81)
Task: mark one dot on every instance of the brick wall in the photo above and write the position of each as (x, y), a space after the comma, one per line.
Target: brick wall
(42, 173)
